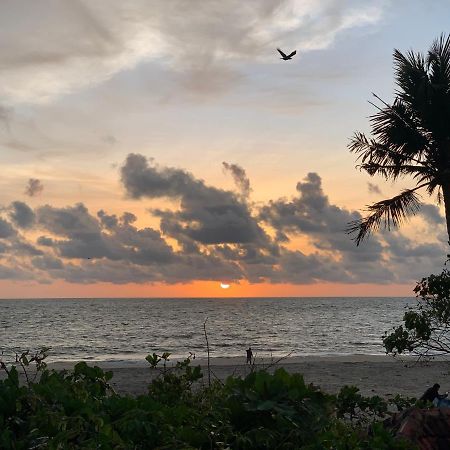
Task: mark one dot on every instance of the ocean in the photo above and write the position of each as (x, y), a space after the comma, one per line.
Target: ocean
(129, 329)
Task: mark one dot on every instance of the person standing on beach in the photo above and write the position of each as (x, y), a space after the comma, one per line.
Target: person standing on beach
(249, 355)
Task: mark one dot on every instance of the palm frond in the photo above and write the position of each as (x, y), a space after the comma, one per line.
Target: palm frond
(438, 112)
(396, 171)
(432, 186)
(410, 74)
(378, 158)
(387, 213)
(408, 137)
(438, 60)
(397, 126)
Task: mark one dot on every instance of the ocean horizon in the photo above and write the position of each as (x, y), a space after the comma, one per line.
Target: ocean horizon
(127, 329)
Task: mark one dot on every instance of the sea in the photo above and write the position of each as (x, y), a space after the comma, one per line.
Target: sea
(128, 329)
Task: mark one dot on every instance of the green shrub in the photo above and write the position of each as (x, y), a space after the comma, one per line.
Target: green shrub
(78, 410)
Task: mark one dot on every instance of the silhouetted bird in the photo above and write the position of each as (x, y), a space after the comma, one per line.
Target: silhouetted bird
(286, 57)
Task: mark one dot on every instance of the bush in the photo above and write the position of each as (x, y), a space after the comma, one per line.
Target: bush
(79, 410)
(425, 330)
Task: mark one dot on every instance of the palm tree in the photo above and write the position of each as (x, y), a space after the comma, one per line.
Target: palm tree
(410, 137)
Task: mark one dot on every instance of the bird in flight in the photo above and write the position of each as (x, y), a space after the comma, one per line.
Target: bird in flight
(286, 57)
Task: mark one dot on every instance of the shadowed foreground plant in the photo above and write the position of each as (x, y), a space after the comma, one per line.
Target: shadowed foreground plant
(426, 327)
(78, 410)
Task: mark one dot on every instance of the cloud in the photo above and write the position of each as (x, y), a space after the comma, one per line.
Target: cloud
(86, 237)
(6, 229)
(239, 177)
(5, 116)
(207, 215)
(21, 214)
(34, 187)
(68, 46)
(311, 215)
(109, 139)
(373, 188)
(47, 262)
(431, 214)
(207, 234)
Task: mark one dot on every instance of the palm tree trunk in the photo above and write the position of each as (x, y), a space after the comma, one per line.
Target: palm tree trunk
(446, 193)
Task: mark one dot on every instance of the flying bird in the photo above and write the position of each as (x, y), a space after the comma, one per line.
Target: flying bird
(286, 57)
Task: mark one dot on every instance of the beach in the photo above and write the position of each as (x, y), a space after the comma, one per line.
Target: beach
(374, 375)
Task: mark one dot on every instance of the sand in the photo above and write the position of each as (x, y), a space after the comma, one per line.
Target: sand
(374, 375)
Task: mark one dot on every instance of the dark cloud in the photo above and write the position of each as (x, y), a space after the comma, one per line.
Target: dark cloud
(373, 188)
(209, 234)
(22, 247)
(411, 260)
(431, 214)
(6, 229)
(313, 216)
(34, 187)
(310, 213)
(45, 241)
(21, 214)
(207, 215)
(107, 221)
(85, 237)
(71, 222)
(239, 177)
(14, 273)
(47, 262)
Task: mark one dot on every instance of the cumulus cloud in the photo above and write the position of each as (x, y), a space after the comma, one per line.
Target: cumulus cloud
(239, 177)
(6, 229)
(72, 45)
(208, 234)
(207, 215)
(21, 214)
(431, 214)
(34, 187)
(311, 214)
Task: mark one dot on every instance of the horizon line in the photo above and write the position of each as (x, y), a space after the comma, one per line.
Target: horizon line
(204, 297)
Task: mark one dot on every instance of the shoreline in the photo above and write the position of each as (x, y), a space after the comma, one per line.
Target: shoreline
(373, 374)
(109, 364)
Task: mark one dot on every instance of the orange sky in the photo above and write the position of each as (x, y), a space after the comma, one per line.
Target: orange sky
(73, 110)
(200, 289)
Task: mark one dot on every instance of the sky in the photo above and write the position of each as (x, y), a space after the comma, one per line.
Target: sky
(157, 149)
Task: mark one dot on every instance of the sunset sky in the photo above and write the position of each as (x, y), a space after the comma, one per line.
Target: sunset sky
(159, 148)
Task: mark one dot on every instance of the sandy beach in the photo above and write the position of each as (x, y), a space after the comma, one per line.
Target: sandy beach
(381, 375)
(374, 375)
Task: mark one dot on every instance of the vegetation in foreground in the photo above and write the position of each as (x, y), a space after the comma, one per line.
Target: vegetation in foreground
(78, 410)
(425, 331)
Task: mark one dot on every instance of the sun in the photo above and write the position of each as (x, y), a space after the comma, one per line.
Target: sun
(224, 285)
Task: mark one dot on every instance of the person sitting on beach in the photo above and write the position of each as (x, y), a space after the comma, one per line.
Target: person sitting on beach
(249, 355)
(432, 395)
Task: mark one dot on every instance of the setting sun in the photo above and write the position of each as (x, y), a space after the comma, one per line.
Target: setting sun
(224, 285)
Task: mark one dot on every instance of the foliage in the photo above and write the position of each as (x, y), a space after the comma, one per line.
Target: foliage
(426, 327)
(78, 410)
(353, 406)
(409, 138)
